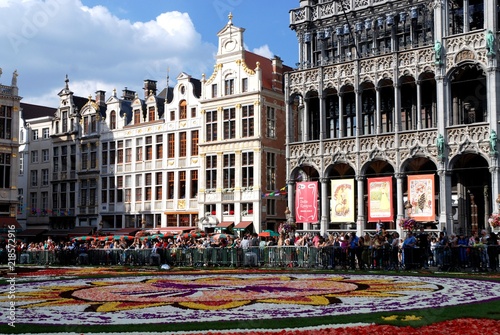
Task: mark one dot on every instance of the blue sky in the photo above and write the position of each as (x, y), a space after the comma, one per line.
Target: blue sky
(107, 44)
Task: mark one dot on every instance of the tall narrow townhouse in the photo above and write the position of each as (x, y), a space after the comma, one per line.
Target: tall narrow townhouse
(66, 170)
(9, 151)
(88, 161)
(35, 144)
(393, 113)
(242, 141)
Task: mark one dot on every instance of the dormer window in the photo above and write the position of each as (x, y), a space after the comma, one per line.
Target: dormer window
(112, 120)
(183, 110)
(137, 116)
(229, 86)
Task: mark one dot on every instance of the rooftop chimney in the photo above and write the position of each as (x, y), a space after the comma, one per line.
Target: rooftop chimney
(128, 94)
(149, 87)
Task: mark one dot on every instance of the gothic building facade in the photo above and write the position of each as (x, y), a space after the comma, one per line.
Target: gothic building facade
(399, 92)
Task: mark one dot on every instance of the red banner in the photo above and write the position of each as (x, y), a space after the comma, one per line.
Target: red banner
(380, 199)
(421, 197)
(306, 202)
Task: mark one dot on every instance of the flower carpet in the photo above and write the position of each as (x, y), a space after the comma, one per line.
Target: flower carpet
(101, 300)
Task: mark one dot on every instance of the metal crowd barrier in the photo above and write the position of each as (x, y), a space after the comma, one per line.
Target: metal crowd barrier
(385, 258)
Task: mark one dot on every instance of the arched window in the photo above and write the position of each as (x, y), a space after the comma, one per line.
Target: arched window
(112, 120)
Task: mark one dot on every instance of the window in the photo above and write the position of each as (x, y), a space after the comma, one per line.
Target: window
(193, 112)
(182, 184)
(229, 86)
(64, 158)
(247, 121)
(214, 90)
(21, 164)
(64, 117)
(172, 115)
(159, 146)
(33, 202)
(128, 155)
(112, 120)
(182, 110)
(159, 186)
(247, 169)
(45, 177)
(93, 156)
(271, 122)
(6, 122)
(211, 125)
(119, 158)
(137, 116)
(211, 165)
(271, 171)
(104, 190)
(194, 184)
(229, 123)
(171, 146)
(271, 207)
(182, 144)
(152, 113)
(45, 133)
(244, 85)
(194, 142)
(228, 209)
(34, 134)
(45, 202)
(34, 156)
(138, 154)
(229, 171)
(119, 189)
(45, 155)
(34, 177)
(104, 154)
(170, 185)
(5, 170)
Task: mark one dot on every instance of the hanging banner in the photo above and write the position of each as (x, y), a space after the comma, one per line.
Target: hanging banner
(380, 199)
(342, 203)
(421, 197)
(306, 202)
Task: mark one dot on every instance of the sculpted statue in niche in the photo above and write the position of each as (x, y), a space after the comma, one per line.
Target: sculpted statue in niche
(490, 43)
(493, 142)
(437, 52)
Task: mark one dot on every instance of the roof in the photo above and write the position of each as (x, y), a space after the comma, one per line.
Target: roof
(266, 65)
(224, 224)
(243, 225)
(31, 111)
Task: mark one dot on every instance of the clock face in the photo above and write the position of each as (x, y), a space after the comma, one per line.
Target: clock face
(230, 45)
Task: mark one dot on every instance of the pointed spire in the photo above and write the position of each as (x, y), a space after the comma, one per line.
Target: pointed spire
(230, 17)
(67, 82)
(168, 75)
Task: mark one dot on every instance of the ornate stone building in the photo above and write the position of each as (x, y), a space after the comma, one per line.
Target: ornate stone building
(242, 141)
(9, 152)
(396, 89)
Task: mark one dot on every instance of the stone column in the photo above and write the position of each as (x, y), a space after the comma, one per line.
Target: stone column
(361, 222)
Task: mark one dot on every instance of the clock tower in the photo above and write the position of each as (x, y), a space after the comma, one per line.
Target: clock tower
(230, 41)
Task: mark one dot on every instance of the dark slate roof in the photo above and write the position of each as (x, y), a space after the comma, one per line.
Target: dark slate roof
(167, 94)
(197, 87)
(31, 111)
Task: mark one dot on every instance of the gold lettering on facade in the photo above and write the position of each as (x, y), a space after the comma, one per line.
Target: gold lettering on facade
(465, 55)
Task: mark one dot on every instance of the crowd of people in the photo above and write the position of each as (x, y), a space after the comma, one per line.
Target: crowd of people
(379, 250)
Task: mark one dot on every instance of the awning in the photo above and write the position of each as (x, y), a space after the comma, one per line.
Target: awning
(242, 225)
(127, 231)
(224, 225)
(171, 230)
(7, 222)
(77, 231)
(32, 232)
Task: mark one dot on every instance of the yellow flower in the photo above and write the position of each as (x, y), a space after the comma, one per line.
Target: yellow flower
(390, 318)
(411, 318)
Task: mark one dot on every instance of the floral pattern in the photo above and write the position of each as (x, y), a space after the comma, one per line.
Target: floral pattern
(204, 297)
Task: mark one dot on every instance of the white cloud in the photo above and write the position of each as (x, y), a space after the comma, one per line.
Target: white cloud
(45, 40)
(264, 51)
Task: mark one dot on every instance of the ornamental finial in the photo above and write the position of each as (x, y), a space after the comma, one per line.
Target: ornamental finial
(230, 16)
